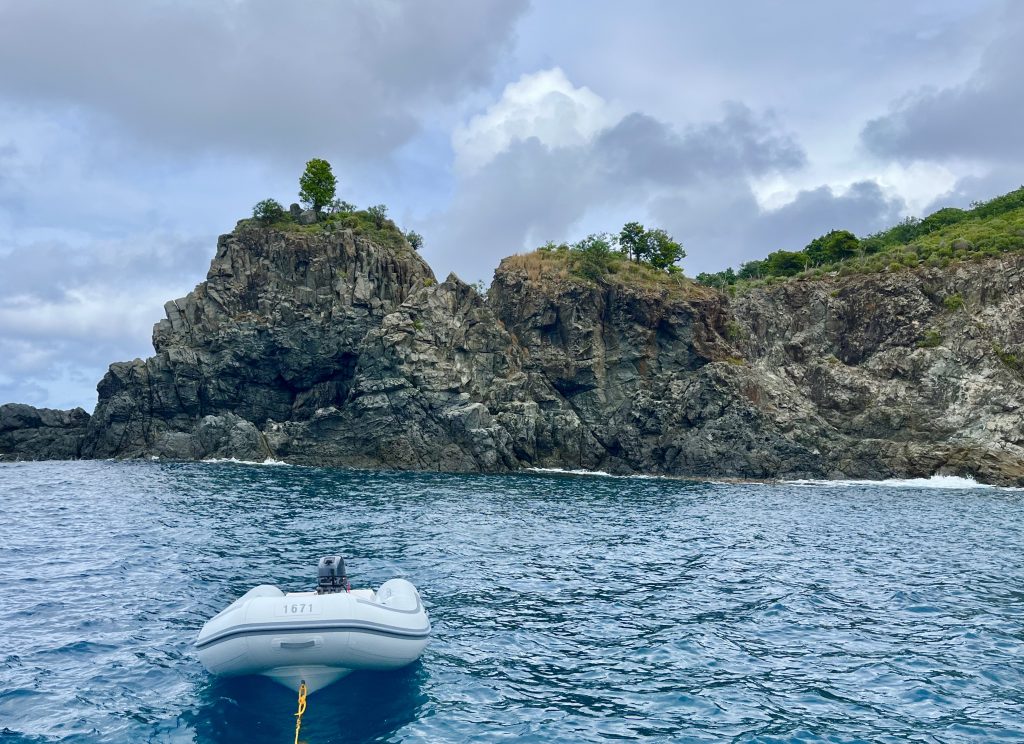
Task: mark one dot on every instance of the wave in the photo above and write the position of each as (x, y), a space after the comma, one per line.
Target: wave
(597, 473)
(944, 482)
(270, 461)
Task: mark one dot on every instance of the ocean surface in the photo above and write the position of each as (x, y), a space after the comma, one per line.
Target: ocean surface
(565, 607)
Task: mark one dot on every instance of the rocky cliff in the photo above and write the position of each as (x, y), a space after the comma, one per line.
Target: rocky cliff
(41, 433)
(323, 346)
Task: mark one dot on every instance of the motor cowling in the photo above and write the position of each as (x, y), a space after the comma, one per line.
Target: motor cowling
(331, 577)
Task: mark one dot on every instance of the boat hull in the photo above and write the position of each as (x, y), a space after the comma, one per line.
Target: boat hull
(317, 639)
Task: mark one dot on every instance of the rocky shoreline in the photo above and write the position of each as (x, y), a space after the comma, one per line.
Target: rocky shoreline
(323, 347)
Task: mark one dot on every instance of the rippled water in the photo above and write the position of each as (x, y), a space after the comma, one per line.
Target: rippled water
(564, 608)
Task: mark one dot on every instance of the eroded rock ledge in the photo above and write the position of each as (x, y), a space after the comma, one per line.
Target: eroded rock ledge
(322, 347)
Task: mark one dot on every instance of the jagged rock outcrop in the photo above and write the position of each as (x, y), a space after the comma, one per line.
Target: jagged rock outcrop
(321, 346)
(273, 334)
(28, 433)
(650, 374)
(908, 373)
(440, 384)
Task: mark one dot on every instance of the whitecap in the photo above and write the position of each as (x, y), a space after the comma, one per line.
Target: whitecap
(236, 461)
(944, 482)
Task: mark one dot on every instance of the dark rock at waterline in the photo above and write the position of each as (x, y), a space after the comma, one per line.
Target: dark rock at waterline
(326, 347)
(28, 433)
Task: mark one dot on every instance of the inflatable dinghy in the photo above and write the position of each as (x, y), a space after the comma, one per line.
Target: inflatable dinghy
(319, 636)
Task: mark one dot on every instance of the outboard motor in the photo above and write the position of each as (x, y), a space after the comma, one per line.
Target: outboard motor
(331, 577)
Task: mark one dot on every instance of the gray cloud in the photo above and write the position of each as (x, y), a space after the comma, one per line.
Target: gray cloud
(862, 209)
(254, 77)
(531, 193)
(69, 310)
(725, 226)
(978, 188)
(639, 148)
(981, 118)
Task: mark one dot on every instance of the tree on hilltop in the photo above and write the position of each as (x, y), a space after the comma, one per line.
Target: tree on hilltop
(832, 247)
(317, 184)
(655, 247)
(663, 252)
(631, 240)
(378, 213)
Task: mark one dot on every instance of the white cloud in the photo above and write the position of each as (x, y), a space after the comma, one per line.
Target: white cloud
(917, 184)
(552, 161)
(544, 105)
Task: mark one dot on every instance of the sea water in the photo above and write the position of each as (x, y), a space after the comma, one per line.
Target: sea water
(565, 607)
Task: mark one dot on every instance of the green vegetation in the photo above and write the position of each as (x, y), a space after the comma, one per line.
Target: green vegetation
(337, 206)
(317, 184)
(1013, 361)
(734, 332)
(948, 235)
(930, 339)
(837, 245)
(654, 247)
(268, 211)
(635, 251)
(592, 258)
(414, 239)
(953, 302)
(378, 213)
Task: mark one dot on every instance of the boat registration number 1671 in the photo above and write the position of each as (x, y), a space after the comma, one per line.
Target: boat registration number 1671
(298, 608)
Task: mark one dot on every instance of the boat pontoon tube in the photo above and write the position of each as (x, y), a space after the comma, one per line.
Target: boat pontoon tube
(317, 637)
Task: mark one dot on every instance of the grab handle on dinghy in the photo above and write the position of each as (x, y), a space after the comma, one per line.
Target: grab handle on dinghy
(284, 645)
(297, 644)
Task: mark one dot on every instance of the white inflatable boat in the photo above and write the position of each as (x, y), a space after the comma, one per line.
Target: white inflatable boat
(319, 636)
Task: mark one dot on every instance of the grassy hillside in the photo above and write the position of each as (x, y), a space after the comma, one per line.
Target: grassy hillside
(374, 227)
(986, 229)
(568, 265)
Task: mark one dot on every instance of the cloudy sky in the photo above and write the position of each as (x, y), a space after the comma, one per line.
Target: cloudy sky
(133, 133)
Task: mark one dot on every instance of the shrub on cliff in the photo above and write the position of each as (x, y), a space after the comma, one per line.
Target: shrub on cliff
(317, 184)
(721, 279)
(784, 263)
(592, 257)
(340, 206)
(378, 213)
(415, 239)
(268, 211)
(832, 247)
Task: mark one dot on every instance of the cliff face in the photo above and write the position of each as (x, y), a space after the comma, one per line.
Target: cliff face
(273, 334)
(322, 347)
(29, 433)
(898, 374)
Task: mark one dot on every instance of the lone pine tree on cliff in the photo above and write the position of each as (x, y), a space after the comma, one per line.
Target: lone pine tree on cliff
(317, 184)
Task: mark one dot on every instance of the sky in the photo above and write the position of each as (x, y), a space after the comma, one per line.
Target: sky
(132, 134)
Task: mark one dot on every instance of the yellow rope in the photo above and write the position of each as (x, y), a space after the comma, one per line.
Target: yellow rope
(302, 709)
